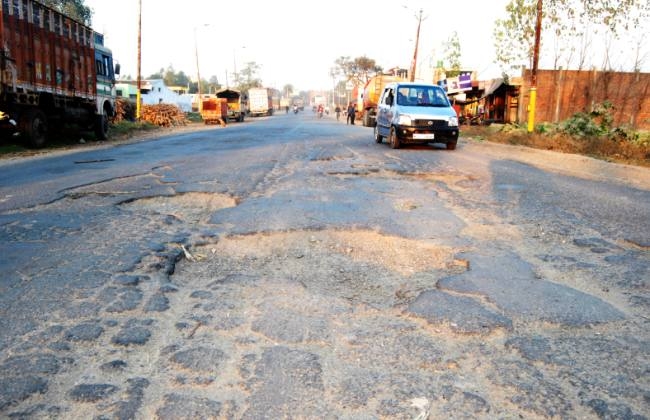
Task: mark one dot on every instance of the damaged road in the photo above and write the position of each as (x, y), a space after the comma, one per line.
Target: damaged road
(292, 268)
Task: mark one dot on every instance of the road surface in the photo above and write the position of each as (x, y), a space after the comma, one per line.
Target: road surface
(289, 267)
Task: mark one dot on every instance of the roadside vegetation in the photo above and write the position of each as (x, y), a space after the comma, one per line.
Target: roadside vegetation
(587, 133)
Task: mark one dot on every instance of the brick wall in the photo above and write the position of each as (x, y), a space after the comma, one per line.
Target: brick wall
(562, 93)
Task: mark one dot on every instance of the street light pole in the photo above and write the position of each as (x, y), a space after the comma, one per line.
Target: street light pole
(234, 63)
(415, 51)
(198, 74)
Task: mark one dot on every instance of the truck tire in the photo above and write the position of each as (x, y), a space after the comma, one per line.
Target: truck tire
(101, 127)
(366, 119)
(34, 127)
(392, 139)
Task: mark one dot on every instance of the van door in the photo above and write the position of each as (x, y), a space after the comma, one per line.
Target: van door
(383, 111)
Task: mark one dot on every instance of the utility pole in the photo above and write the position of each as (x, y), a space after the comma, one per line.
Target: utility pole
(139, 84)
(533, 75)
(415, 51)
(198, 74)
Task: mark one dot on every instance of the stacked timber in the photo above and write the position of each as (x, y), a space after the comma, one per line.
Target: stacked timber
(124, 110)
(164, 115)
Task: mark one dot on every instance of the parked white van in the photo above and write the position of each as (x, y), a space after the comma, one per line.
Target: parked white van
(412, 113)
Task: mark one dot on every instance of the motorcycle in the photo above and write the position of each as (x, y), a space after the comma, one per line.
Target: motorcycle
(295, 109)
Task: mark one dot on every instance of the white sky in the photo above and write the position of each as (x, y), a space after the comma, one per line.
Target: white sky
(295, 42)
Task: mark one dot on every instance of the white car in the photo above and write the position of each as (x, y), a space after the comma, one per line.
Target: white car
(416, 113)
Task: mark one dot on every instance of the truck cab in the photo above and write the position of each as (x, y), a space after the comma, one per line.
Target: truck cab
(106, 93)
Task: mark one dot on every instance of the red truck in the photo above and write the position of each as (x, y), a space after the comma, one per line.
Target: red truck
(54, 70)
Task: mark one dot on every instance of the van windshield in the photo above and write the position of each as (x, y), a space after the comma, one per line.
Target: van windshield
(422, 96)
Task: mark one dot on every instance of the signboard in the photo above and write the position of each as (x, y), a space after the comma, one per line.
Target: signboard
(459, 84)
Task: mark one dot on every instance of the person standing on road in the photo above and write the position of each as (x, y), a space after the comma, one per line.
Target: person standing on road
(350, 114)
(337, 110)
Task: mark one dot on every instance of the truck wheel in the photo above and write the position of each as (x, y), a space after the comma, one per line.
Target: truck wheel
(366, 119)
(392, 139)
(34, 127)
(451, 145)
(378, 137)
(101, 127)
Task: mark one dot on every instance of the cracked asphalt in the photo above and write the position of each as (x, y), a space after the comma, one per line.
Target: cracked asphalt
(289, 267)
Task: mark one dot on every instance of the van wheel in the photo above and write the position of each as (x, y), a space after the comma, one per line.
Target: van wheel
(392, 139)
(34, 127)
(378, 137)
(451, 145)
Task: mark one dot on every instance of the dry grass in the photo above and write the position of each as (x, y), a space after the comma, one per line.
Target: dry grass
(604, 148)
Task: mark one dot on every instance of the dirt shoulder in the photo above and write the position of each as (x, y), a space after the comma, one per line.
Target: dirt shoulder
(115, 140)
(570, 164)
(608, 149)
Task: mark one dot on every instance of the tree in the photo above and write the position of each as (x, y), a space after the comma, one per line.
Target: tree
(213, 84)
(159, 75)
(569, 24)
(514, 36)
(452, 55)
(248, 78)
(287, 90)
(172, 78)
(75, 9)
(358, 71)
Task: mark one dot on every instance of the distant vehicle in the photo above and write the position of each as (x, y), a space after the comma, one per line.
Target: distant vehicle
(319, 101)
(214, 110)
(260, 102)
(236, 108)
(411, 113)
(300, 103)
(53, 70)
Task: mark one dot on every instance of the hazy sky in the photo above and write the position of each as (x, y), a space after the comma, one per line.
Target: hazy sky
(294, 41)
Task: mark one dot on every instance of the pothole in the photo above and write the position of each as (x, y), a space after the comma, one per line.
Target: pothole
(456, 181)
(193, 207)
(400, 255)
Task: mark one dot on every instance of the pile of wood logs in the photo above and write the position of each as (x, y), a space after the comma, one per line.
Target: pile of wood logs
(164, 115)
(124, 110)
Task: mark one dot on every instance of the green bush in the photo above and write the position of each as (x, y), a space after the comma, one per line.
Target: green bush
(511, 127)
(194, 117)
(598, 122)
(126, 127)
(581, 124)
(546, 128)
(642, 139)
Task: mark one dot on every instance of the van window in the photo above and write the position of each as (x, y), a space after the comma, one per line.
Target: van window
(388, 97)
(421, 96)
